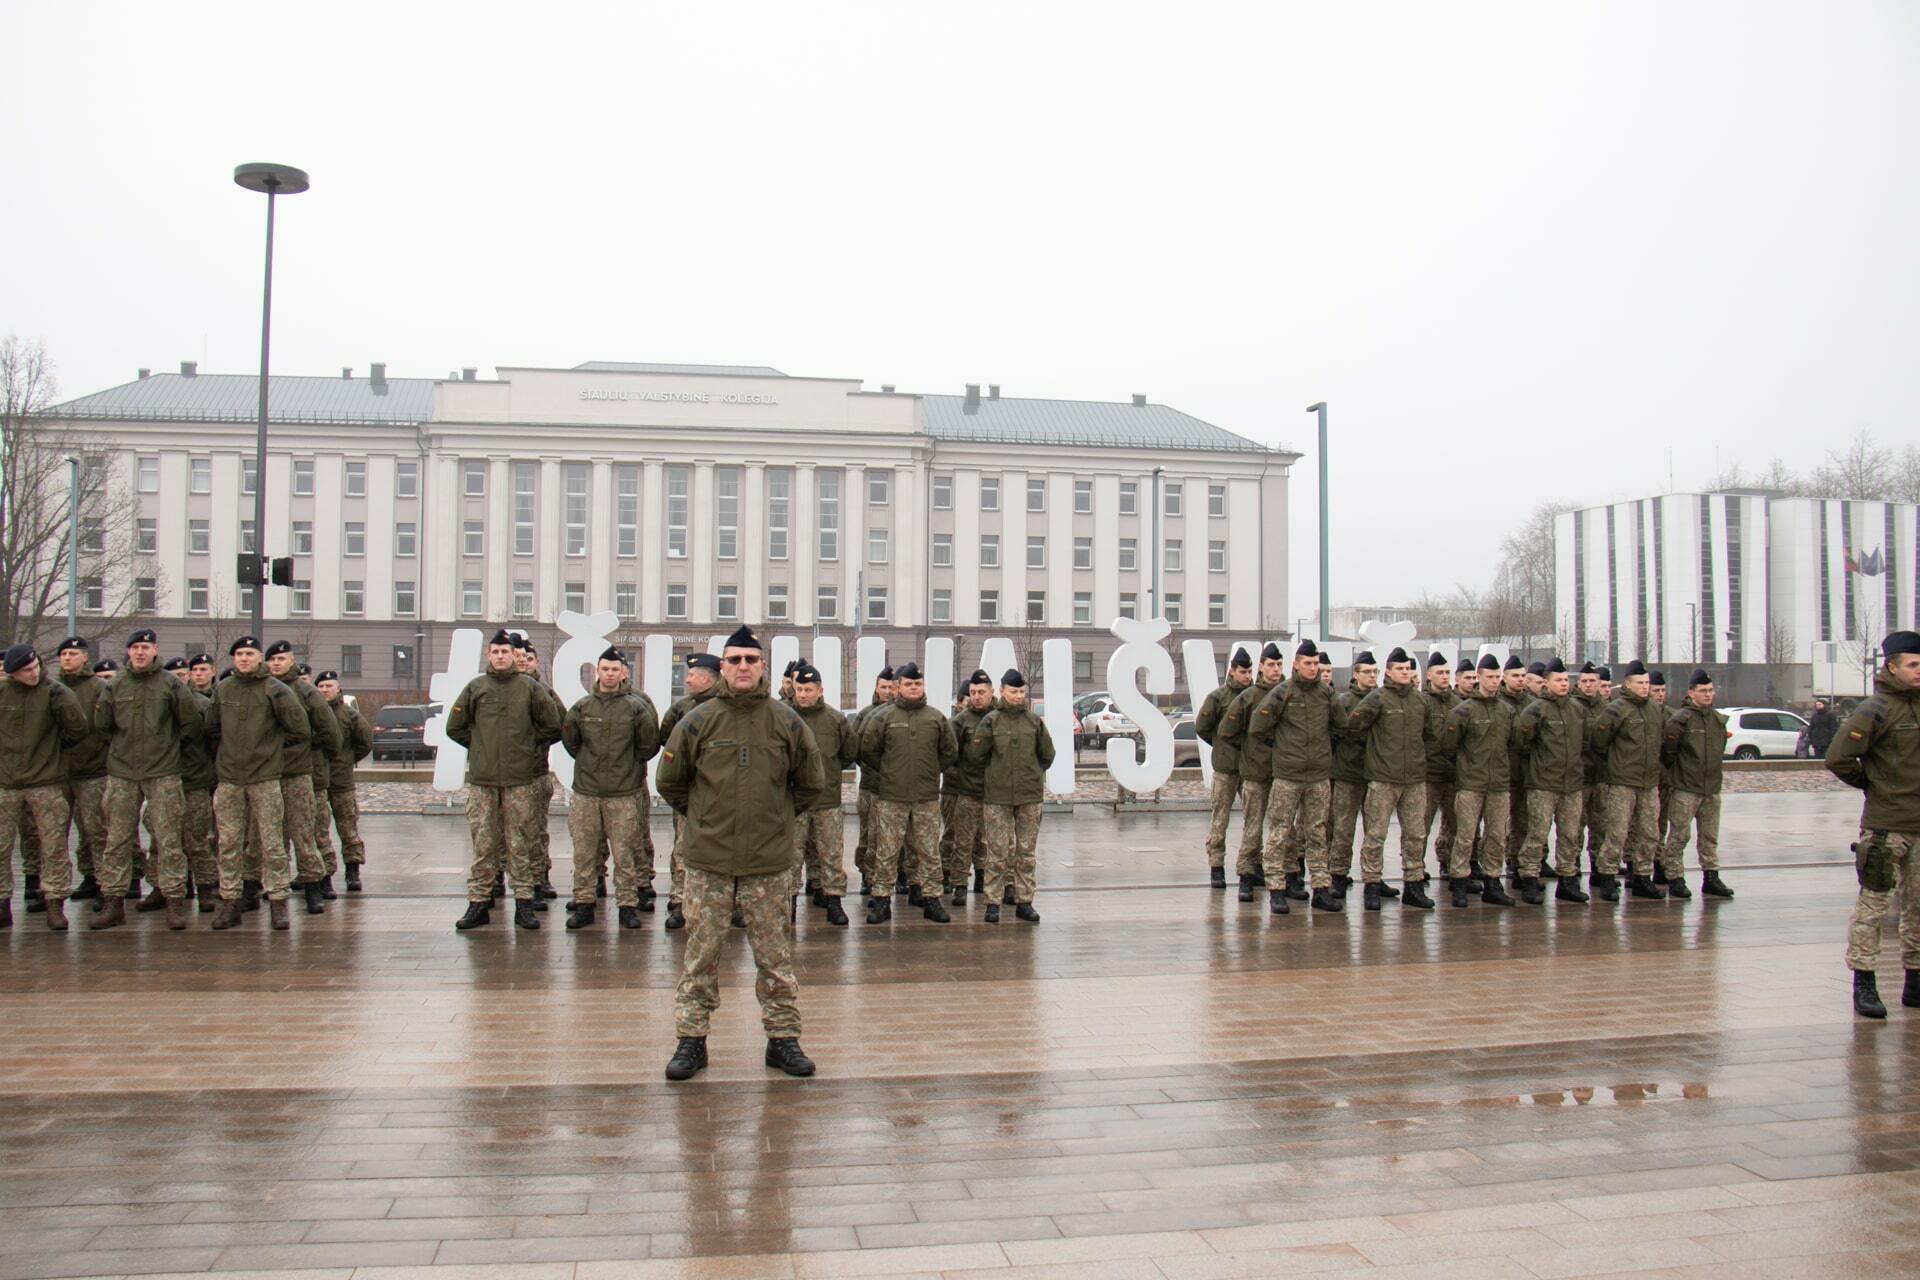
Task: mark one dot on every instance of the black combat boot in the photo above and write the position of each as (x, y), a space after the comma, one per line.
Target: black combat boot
(154, 901)
(930, 908)
(1642, 887)
(1246, 888)
(1677, 888)
(539, 903)
(599, 887)
(879, 910)
(6, 907)
(993, 913)
(249, 896)
(353, 877)
(960, 893)
(689, 1058)
(1609, 888)
(1493, 893)
(1659, 874)
(523, 914)
(133, 890)
(326, 888)
(545, 890)
(36, 901)
(647, 897)
(1260, 877)
(1277, 902)
(1388, 891)
(1006, 896)
(629, 917)
(914, 898)
(1532, 892)
(209, 897)
(899, 888)
(1866, 995)
(1370, 896)
(1217, 877)
(580, 915)
(1341, 884)
(675, 918)
(1297, 886)
(87, 888)
(1025, 911)
(1458, 887)
(739, 919)
(316, 899)
(1713, 886)
(478, 914)
(979, 879)
(785, 1054)
(836, 914)
(1327, 900)
(1569, 890)
(1910, 994)
(1416, 897)
(499, 886)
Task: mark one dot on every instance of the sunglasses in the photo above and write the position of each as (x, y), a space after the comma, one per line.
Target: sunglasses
(743, 660)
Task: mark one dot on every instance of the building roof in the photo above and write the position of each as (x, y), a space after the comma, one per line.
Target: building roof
(235, 397)
(710, 370)
(1098, 423)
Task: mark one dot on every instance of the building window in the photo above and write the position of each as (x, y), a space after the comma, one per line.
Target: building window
(1036, 606)
(1036, 493)
(1129, 497)
(473, 538)
(626, 600)
(403, 661)
(1083, 497)
(356, 479)
(626, 511)
(1082, 608)
(302, 602)
(406, 538)
(303, 537)
(989, 606)
(989, 493)
(1171, 610)
(779, 511)
(1174, 494)
(247, 592)
(1129, 553)
(196, 595)
(1216, 611)
(876, 546)
(574, 597)
(1083, 553)
(989, 551)
(356, 538)
(200, 475)
(353, 598)
(679, 482)
(1216, 500)
(93, 538)
(249, 477)
(406, 480)
(247, 540)
(473, 478)
(942, 550)
(829, 505)
(877, 484)
(943, 604)
(726, 503)
(146, 595)
(726, 603)
(471, 600)
(677, 600)
(197, 537)
(943, 493)
(403, 599)
(576, 509)
(1083, 667)
(1216, 556)
(523, 599)
(149, 475)
(1129, 604)
(826, 604)
(876, 604)
(349, 659)
(1173, 555)
(1036, 553)
(302, 478)
(777, 602)
(526, 481)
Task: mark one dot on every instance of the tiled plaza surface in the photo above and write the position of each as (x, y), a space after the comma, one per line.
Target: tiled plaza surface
(1157, 1081)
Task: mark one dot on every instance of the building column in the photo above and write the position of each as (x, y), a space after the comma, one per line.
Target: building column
(753, 541)
(805, 545)
(499, 536)
(653, 541)
(600, 536)
(549, 532)
(700, 540)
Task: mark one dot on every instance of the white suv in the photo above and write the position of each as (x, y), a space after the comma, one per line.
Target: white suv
(1753, 732)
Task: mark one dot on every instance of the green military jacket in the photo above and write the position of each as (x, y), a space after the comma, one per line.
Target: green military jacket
(1590, 758)
(88, 758)
(354, 745)
(1295, 724)
(965, 777)
(1692, 749)
(253, 720)
(506, 721)
(144, 716)
(196, 749)
(1878, 750)
(869, 776)
(1477, 736)
(1013, 748)
(1349, 749)
(1396, 721)
(1516, 767)
(1440, 704)
(610, 736)
(678, 711)
(739, 767)
(1628, 733)
(1551, 734)
(37, 726)
(1255, 758)
(838, 744)
(1206, 727)
(323, 736)
(911, 744)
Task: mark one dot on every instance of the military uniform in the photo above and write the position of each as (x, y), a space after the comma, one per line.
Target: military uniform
(37, 725)
(1226, 770)
(1013, 750)
(1629, 731)
(1293, 725)
(1877, 749)
(253, 720)
(610, 736)
(1256, 779)
(144, 715)
(1395, 722)
(506, 721)
(961, 786)
(1517, 802)
(1440, 778)
(1550, 734)
(1476, 737)
(355, 743)
(1593, 804)
(1693, 747)
(863, 801)
(909, 745)
(196, 815)
(298, 765)
(676, 876)
(87, 777)
(1349, 792)
(820, 830)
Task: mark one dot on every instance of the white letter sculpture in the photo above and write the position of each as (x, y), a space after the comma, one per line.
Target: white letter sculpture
(1141, 651)
(463, 664)
(587, 638)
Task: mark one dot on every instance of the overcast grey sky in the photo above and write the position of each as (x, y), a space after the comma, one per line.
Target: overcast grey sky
(1525, 250)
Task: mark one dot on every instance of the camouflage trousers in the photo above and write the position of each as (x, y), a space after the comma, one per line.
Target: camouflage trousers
(164, 802)
(1343, 815)
(43, 810)
(963, 841)
(906, 841)
(820, 841)
(543, 835)
(1440, 807)
(1517, 825)
(863, 843)
(1384, 801)
(503, 824)
(323, 830)
(1558, 813)
(196, 837)
(1594, 814)
(1871, 908)
(296, 830)
(676, 870)
(1472, 809)
(1632, 822)
(1253, 824)
(1219, 808)
(1685, 812)
(764, 901)
(87, 803)
(1297, 817)
(249, 818)
(345, 804)
(600, 826)
(1012, 835)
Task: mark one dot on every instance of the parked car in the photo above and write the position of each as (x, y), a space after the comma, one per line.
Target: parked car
(1103, 720)
(1186, 742)
(399, 731)
(1753, 732)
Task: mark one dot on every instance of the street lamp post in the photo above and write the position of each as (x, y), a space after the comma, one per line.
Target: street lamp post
(274, 180)
(1320, 408)
(73, 552)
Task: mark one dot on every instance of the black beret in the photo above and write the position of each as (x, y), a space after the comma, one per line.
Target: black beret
(145, 635)
(73, 642)
(279, 647)
(907, 671)
(200, 660)
(1241, 659)
(979, 676)
(1489, 663)
(1306, 649)
(1657, 677)
(1271, 651)
(1466, 664)
(305, 670)
(518, 641)
(528, 645)
(1900, 642)
(325, 676)
(613, 654)
(886, 673)
(1700, 677)
(1536, 668)
(226, 673)
(1398, 656)
(18, 658)
(1555, 667)
(105, 665)
(1588, 669)
(244, 642)
(804, 674)
(743, 638)
(1012, 679)
(1635, 668)
(1605, 672)
(1513, 663)
(703, 661)
(1364, 658)
(174, 664)
(1436, 659)
(791, 667)
(502, 636)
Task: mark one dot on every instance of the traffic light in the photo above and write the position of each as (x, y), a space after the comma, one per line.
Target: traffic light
(283, 571)
(250, 570)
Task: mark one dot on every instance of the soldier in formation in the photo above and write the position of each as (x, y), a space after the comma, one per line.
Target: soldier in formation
(909, 745)
(41, 720)
(820, 829)
(611, 733)
(702, 675)
(1013, 752)
(1225, 761)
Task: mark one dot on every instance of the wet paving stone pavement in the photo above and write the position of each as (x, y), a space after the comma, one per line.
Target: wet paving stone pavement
(1157, 1081)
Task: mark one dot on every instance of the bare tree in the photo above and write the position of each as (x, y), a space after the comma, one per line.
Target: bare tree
(1519, 608)
(1781, 657)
